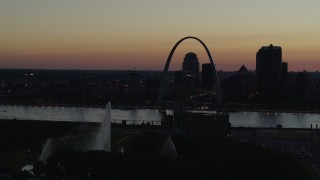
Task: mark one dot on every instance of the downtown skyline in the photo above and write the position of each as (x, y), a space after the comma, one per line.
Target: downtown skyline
(122, 35)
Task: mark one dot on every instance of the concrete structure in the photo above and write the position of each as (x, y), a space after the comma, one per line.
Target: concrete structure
(166, 67)
(195, 125)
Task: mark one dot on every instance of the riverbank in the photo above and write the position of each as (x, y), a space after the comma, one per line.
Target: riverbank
(295, 111)
(222, 108)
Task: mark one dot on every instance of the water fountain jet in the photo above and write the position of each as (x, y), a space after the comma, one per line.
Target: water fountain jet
(47, 150)
(169, 149)
(103, 138)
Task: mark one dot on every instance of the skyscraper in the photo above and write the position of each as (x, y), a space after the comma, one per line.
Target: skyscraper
(190, 69)
(268, 70)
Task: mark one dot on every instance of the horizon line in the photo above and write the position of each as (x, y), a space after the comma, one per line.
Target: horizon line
(160, 70)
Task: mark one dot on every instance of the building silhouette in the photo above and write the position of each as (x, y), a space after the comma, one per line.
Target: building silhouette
(134, 83)
(193, 124)
(180, 93)
(217, 87)
(284, 70)
(190, 64)
(239, 85)
(190, 70)
(301, 84)
(207, 78)
(178, 77)
(152, 84)
(269, 70)
(243, 69)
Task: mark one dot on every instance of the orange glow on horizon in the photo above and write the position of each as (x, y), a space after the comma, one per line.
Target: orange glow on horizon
(119, 35)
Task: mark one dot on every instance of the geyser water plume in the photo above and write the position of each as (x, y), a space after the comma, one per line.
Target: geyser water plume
(47, 150)
(103, 138)
(168, 148)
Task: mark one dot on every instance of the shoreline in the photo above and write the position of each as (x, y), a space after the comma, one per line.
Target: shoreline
(79, 123)
(273, 111)
(124, 107)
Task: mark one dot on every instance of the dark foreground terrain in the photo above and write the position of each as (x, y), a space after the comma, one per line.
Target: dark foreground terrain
(143, 157)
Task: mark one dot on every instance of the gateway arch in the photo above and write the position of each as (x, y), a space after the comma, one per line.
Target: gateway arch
(216, 85)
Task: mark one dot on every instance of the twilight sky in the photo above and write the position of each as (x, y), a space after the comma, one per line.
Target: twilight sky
(121, 34)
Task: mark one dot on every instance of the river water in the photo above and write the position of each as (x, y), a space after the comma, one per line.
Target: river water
(86, 114)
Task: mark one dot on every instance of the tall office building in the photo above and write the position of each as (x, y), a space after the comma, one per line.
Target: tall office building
(269, 70)
(190, 70)
(190, 63)
(207, 78)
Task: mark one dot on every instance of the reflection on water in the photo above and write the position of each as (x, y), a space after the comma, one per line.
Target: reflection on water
(243, 119)
(272, 119)
(74, 113)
